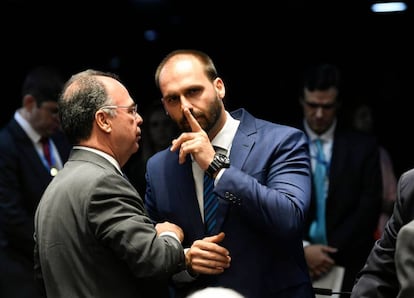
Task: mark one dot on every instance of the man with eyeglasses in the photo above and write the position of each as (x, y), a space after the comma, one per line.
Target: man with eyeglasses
(346, 204)
(93, 237)
(25, 171)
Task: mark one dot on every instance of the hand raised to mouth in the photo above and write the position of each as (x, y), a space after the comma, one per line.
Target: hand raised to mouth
(195, 143)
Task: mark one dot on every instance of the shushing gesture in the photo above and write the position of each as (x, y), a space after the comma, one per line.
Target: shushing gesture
(195, 142)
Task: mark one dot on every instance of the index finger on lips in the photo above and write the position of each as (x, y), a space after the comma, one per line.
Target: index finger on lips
(195, 126)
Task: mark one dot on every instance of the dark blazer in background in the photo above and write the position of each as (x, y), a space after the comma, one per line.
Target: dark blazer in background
(354, 200)
(378, 278)
(23, 178)
(265, 243)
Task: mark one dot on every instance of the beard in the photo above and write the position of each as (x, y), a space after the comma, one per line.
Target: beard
(207, 120)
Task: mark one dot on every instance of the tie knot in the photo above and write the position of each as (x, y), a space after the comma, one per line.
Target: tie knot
(319, 145)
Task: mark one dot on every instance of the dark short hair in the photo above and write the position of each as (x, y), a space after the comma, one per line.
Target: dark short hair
(44, 83)
(82, 95)
(322, 77)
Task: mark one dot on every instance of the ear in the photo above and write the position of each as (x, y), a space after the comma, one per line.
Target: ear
(29, 102)
(103, 121)
(164, 105)
(220, 89)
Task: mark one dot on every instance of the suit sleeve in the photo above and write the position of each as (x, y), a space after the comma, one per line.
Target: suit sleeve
(403, 260)
(272, 189)
(118, 219)
(378, 278)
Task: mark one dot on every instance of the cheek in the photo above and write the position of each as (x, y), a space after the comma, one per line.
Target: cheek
(175, 115)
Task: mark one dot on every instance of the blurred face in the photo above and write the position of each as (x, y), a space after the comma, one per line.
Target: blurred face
(160, 129)
(123, 128)
(319, 108)
(183, 83)
(363, 119)
(44, 119)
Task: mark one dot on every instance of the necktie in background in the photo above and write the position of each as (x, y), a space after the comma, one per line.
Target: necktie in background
(210, 205)
(318, 229)
(46, 150)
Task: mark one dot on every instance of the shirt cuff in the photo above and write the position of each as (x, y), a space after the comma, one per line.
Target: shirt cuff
(172, 234)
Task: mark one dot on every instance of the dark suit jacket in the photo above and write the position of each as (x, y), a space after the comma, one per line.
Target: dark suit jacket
(264, 197)
(354, 200)
(23, 178)
(378, 278)
(94, 238)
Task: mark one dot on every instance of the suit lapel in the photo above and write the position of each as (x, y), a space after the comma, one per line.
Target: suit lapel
(187, 207)
(338, 160)
(243, 142)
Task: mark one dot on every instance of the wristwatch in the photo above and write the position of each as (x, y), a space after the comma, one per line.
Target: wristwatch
(220, 161)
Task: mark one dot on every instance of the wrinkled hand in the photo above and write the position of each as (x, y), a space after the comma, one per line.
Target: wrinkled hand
(206, 256)
(318, 259)
(195, 142)
(170, 227)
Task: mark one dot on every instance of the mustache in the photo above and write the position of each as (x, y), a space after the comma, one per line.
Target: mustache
(185, 126)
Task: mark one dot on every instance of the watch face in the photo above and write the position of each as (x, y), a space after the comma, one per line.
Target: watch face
(223, 159)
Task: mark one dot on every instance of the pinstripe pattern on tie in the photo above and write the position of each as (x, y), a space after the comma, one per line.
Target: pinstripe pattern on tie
(210, 205)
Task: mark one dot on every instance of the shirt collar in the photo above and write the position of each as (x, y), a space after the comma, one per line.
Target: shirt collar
(103, 154)
(28, 129)
(327, 136)
(225, 137)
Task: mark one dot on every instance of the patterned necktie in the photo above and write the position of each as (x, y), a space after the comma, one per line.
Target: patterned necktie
(318, 228)
(210, 205)
(46, 150)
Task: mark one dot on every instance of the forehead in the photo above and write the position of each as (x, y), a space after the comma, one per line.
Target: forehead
(180, 73)
(328, 95)
(181, 66)
(115, 89)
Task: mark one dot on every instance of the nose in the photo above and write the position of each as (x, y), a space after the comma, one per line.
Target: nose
(319, 112)
(185, 103)
(138, 119)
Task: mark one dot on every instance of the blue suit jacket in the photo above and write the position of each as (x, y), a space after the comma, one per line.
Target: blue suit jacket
(264, 197)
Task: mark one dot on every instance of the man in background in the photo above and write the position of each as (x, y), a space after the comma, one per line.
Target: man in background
(346, 192)
(25, 171)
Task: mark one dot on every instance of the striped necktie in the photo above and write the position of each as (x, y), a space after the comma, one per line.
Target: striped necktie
(210, 205)
(46, 150)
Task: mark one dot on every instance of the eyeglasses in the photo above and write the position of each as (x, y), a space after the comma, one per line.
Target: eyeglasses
(324, 106)
(131, 109)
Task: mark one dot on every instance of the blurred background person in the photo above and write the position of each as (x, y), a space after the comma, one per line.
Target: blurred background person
(25, 171)
(346, 199)
(363, 120)
(158, 130)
